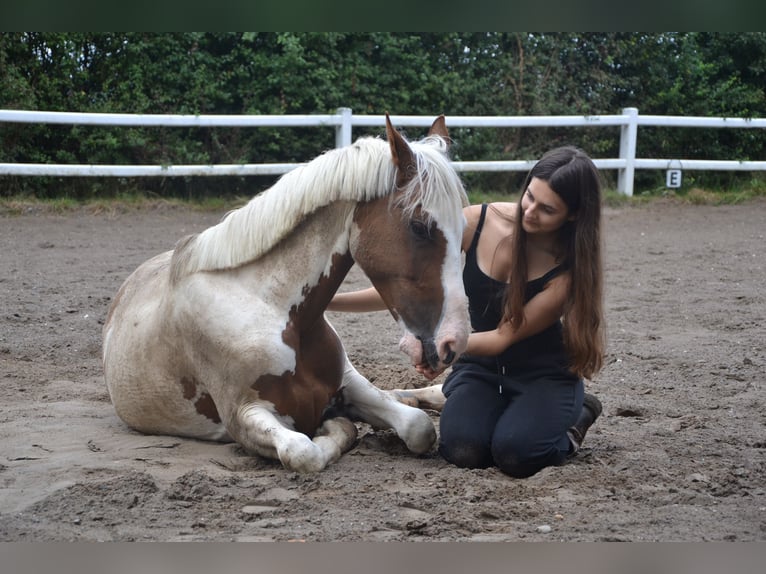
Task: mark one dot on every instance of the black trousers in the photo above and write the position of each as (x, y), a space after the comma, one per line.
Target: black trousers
(518, 424)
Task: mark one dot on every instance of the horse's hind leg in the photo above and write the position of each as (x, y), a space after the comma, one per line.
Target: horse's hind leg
(363, 401)
(430, 397)
(260, 431)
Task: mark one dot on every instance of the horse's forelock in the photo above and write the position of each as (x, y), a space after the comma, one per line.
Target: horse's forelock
(436, 188)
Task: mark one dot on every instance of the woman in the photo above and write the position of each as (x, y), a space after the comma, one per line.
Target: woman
(534, 279)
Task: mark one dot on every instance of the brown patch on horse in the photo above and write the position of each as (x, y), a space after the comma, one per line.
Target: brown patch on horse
(305, 394)
(204, 405)
(189, 388)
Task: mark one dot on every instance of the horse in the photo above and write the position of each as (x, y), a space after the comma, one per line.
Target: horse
(224, 337)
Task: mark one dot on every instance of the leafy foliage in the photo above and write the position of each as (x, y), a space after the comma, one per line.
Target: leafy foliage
(457, 73)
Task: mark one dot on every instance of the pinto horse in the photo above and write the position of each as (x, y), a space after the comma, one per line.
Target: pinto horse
(224, 338)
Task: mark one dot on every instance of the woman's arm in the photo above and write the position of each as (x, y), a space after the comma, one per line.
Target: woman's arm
(363, 301)
(540, 312)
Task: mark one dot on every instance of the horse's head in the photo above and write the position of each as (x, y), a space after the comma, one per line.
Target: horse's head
(408, 244)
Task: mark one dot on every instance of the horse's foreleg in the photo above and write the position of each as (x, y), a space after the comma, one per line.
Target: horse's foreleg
(381, 409)
(430, 397)
(259, 430)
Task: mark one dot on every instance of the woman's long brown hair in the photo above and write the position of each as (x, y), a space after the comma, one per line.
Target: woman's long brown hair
(572, 175)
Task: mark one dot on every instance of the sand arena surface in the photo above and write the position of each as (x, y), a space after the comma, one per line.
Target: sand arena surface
(679, 454)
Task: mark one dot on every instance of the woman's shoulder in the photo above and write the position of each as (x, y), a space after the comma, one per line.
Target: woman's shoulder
(503, 209)
(498, 222)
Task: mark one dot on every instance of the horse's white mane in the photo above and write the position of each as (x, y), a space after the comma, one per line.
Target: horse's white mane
(359, 172)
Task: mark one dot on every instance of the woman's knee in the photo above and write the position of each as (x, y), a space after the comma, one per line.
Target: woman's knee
(466, 454)
(518, 468)
(518, 461)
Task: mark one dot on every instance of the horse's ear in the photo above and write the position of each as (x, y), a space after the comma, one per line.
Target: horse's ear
(401, 154)
(439, 128)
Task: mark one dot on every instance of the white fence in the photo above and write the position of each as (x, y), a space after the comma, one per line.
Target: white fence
(344, 121)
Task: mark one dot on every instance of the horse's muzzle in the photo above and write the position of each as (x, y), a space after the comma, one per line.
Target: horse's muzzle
(431, 353)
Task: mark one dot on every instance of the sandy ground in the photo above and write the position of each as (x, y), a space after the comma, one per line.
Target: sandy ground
(679, 454)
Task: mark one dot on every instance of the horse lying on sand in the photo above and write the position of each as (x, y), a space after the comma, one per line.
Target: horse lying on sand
(224, 338)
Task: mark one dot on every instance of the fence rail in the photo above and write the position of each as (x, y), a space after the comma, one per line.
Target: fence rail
(344, 121)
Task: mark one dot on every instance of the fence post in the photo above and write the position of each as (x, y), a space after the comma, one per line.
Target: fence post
(343, 131)
(628, 135)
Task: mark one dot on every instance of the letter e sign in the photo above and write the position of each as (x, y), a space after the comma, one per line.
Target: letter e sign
(673, 178)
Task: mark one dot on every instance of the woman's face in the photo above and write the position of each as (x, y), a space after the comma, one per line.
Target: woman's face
(542, 210)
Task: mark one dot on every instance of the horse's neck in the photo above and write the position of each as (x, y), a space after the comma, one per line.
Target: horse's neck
(317, 298)
(308, 266)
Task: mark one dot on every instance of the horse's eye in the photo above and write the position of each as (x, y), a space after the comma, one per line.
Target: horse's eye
(419, 229)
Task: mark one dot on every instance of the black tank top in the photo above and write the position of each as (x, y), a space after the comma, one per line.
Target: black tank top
(543, 351)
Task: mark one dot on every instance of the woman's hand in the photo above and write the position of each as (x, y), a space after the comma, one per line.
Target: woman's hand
(429, 373)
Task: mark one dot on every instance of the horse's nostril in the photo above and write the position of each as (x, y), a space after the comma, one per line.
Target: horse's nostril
(450, 356)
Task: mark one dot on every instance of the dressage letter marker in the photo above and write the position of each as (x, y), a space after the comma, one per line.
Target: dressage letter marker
(673, 178)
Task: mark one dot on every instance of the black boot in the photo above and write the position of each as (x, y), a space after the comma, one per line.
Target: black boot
(591, 409)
